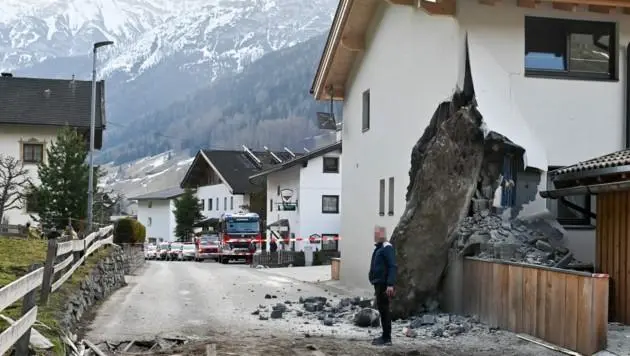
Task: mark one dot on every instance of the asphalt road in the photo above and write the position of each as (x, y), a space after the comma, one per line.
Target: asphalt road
(211, 300)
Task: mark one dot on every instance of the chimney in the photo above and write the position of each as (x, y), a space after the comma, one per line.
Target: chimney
(7, 75)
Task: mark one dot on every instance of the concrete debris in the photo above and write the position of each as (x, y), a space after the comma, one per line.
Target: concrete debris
(491, 236)
(358, 313)
(137, 346)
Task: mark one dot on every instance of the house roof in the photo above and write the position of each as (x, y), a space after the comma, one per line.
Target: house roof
(235, 167)
(347, 36)
(298, 160)
(56, 102)
(161, 194)
(612, 163)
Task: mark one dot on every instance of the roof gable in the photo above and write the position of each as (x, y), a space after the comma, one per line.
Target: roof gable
(232, 167)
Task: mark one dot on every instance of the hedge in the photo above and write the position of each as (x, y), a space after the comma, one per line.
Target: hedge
(129, 231)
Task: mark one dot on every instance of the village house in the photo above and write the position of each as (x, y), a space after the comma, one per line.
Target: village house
(156, 212)
(304, 199)
(548, 75)
(221, 180)
(32, 110)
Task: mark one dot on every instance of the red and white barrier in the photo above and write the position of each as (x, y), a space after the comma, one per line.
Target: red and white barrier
(311, 239)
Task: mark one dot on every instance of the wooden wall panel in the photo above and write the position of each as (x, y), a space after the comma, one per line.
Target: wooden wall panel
(567, 308)
(613, 250)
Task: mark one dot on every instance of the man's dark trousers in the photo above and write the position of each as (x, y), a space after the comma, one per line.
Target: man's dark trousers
(382, 303)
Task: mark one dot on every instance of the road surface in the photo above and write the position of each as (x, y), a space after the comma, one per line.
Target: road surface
(211, 300)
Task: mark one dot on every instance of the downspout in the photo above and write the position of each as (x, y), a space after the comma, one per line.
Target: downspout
(628, 96)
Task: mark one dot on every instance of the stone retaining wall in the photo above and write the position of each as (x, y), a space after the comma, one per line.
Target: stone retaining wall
(134, 257)
(105, 278)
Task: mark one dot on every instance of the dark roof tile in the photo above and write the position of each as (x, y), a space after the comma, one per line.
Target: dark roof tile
(161, 194)
(615, 159)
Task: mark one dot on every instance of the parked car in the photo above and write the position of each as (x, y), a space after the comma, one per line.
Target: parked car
(175, 251)
(188, 252)
(162, 251)
(206, 246)
(150, 252)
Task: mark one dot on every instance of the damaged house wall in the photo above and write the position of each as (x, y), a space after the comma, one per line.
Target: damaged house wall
(408, 76)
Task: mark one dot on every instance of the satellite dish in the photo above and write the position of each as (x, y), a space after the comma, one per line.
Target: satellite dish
(326, 121)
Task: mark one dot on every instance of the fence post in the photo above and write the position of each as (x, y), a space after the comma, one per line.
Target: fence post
(21, 347)
(51, 256)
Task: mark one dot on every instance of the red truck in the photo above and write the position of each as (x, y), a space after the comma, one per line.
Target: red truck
(238, 234)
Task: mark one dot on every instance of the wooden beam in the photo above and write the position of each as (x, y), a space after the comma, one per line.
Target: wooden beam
(564, 6)
(354, 43)
(489, 2)
(402, 2)
(529, 4)
(613, 3)
(440, 7)
(338, 92)
(602, 9)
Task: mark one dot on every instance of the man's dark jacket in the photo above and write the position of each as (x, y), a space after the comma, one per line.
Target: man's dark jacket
(383, 266)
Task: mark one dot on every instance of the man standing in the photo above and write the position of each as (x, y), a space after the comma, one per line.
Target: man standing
(383, 277)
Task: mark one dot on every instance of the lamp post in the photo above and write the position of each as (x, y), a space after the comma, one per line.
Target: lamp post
(97, 45)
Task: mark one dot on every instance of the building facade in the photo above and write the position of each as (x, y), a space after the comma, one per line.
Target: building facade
(32, 110)
(550, 77)
(156, 211)
(304, 199)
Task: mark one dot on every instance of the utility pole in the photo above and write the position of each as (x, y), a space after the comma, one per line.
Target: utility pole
(97, 45)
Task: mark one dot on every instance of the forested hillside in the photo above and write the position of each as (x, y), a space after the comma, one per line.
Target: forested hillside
(268, 104)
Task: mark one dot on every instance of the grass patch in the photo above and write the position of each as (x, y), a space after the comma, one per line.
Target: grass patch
(16, 256)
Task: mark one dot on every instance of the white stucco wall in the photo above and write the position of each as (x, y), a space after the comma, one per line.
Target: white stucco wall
(158, 219)
(10, 137)
(308, 184)
(313, 184)
(409, 75)
(221, 192)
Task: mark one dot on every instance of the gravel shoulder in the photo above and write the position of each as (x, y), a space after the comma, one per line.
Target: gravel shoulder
(222, 304)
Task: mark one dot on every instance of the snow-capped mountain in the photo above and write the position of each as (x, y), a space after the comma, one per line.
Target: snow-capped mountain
(164, 49)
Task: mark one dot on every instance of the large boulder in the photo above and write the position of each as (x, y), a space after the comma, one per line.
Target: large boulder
(445, 167)
(367, 317)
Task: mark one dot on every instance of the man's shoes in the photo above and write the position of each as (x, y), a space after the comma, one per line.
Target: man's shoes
(379, 341)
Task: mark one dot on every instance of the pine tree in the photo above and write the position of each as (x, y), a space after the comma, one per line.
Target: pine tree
(187, 212)
(63, 190)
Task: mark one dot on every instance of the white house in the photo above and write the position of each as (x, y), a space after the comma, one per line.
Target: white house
(156, 213)
(221, 179)
(304, 198)
(32, 110)
(549, 75)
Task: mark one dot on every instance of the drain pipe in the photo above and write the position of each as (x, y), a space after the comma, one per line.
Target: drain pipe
(628, 96)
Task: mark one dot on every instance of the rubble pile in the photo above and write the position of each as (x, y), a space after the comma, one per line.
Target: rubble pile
(491, 236)
(361, 313)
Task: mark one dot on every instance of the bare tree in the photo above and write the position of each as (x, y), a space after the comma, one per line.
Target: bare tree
(14, 182)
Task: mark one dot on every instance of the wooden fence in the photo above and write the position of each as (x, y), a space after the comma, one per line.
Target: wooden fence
(62, 260)
(567, 308)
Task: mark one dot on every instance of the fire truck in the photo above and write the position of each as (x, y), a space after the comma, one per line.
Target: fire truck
(238, 234)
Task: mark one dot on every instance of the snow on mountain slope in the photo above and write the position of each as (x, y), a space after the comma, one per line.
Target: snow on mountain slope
(145, 175)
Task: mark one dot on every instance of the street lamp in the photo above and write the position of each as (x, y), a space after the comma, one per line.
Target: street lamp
(97, 45)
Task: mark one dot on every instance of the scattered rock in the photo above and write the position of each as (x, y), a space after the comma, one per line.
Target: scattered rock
(328, 321)
(367, 317)
(267, 296)
(276, 314)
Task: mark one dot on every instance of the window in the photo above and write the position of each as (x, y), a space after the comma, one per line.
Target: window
(381, 197)
(390, 205)
(224, 203)
(330, 242)
(150, 204)
(366, 110)
(150, 222)
(202, 204)
(31, 202)
(32, 152)
(330, 204)
(217, 201)
(231, 203)
(570, 48)
(210, 204)
(270, 204)
(278, 193)
(565, 208)
(331, 164)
